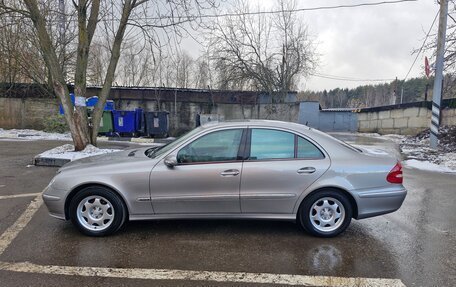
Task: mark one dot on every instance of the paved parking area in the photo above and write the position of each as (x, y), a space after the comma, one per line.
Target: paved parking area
(415, 246)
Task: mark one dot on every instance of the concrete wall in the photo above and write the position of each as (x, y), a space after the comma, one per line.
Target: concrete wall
(31, 112)
(406, 121)
(26, 113)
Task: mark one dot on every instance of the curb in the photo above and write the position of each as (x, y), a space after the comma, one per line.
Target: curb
(47, 161)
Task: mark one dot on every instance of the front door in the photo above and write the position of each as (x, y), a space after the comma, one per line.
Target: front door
(206, 178)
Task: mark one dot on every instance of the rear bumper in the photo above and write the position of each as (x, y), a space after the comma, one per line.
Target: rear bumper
(379, 201)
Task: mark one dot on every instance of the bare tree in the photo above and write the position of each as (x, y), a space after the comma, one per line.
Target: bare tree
(201, 72)
(122, 19)
(184, 67)
(268, 52)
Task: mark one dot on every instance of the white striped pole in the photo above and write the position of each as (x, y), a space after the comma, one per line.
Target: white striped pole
(435, 123)
(437, 94)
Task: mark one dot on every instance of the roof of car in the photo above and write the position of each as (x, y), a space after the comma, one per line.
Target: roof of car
(269, 123)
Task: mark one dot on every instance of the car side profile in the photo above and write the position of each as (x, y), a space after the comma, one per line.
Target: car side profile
(254, 169)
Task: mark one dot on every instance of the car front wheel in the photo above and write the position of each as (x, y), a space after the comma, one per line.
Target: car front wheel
(326, 213)
(97, 211)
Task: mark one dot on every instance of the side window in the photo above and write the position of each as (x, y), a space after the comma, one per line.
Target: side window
(213, 147)
(308, 150)
(271, 144)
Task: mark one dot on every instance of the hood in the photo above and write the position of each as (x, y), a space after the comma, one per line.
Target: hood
(126, 156)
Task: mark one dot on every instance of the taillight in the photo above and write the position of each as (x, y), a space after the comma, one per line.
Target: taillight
(395, 175)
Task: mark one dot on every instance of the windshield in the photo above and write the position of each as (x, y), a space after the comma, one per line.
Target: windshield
(156, 152)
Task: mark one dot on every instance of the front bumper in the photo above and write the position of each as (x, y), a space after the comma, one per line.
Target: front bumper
(380, 201)
(55, 202)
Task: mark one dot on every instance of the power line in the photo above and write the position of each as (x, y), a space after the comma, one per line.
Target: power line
(285, 10)
(422, 46)
(190, 18)
(343, 78)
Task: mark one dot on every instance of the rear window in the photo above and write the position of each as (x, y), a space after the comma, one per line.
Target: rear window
(349, 146)
(341, 142)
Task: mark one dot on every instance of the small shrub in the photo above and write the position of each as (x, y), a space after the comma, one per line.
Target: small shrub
(55, 124)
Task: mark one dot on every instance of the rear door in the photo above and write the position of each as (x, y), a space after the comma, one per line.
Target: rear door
(280, 165)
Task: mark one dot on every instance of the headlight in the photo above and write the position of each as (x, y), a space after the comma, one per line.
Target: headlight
(51, 182)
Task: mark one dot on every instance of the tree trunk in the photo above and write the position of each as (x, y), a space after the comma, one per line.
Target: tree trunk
(74, 117)
(110, 73)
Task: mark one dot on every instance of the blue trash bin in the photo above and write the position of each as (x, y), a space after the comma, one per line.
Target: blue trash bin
(157, 123)
(92, 101)
(124, 122)
(139, 121)
(109, 105)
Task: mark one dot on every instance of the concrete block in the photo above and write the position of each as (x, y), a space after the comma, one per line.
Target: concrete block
(418, 122)
(384, 115)
(424, 112)
(373, 124)
(363, 125)
(401, 123)
(362, 116)
(387, 124)
(448, 112)
(373, 116)
(45, 161)
(399, 113)
(411, 112)
(449, 121)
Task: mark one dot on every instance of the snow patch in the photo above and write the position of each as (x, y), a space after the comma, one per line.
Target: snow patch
(25, 134)
(66, 151)
(419, 154)
(426, 165)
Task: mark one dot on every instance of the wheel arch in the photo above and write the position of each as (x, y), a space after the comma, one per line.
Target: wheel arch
(349, 196)
(92, 184)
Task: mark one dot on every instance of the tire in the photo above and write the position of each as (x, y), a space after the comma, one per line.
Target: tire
(326, 213)
(97, 211)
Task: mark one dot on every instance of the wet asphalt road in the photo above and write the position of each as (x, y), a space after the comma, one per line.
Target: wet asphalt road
(416, 244)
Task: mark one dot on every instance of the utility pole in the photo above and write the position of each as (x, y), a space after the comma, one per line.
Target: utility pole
(438, 80)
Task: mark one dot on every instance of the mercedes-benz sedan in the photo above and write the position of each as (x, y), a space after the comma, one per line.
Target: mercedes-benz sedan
(238, 170)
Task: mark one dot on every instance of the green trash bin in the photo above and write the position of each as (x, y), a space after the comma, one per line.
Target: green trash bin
(106, 123)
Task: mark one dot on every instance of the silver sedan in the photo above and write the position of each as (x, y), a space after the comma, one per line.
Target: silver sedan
(244, 170)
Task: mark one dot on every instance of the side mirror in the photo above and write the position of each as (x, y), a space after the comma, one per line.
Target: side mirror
(170, 161)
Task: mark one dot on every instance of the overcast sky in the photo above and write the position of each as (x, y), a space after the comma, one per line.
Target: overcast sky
(373, 42)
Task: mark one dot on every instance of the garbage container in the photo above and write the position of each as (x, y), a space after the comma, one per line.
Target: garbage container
(156, 123)
(124, 122)
(139, 122)
(106, 125)
(92, 101)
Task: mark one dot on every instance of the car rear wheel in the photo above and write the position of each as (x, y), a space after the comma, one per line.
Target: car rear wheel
(97, 211)
(326, 213)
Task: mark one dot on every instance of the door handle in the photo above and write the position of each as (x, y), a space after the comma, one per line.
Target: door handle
(230, 172)
(307, 170)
